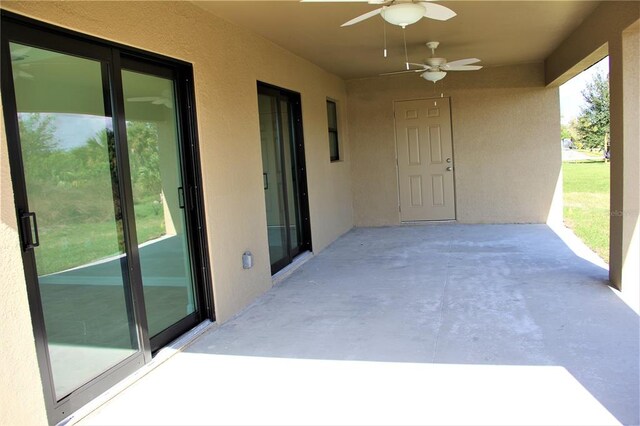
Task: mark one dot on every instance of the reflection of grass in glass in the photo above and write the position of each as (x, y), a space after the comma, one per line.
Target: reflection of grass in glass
(586, 203)
(150, 214)
(74, 244)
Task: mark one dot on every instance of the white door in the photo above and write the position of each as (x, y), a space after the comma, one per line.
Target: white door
(425, 159)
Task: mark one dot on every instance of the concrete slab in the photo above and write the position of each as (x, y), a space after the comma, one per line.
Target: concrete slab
(438, 324)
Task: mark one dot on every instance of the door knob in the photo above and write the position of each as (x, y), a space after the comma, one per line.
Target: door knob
(449, 169)
(448, 160)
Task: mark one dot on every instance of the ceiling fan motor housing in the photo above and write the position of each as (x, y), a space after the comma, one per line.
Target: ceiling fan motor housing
(433, 45)
(435, 62)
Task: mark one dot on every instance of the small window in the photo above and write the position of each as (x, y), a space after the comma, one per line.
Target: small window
(332, 118)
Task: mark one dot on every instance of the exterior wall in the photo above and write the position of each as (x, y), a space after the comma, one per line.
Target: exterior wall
(631, 92)
(613, 28)
(506, 127)
(625, 164)
(587, 44)
(227, 61)
(20, 388)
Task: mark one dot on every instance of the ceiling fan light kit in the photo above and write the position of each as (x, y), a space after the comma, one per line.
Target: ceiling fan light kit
(433, 75)
(403, 14)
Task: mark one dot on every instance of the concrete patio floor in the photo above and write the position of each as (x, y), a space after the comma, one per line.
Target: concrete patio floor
(437, 324)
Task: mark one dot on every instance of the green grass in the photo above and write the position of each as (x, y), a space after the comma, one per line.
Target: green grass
(74, 244)
(586, 203)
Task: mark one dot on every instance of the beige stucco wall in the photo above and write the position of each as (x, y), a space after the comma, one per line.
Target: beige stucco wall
(227, 63)
(587, 43)
(506, 128)
(624, 83)
(612, 29)
(630, 276)
(20, 387)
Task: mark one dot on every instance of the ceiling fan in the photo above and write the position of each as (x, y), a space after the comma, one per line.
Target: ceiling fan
(22, 74)
(19, 55)
(435, 69)
(164, 99)
(400, 12)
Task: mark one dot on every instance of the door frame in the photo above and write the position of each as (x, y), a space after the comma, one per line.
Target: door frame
(453, 158)
(190, 179)
(295, 107)
(20, 29)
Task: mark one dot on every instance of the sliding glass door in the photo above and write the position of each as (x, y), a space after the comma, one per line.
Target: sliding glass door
(105, 172)
(72, 182)
(283, 174)
(159, 205)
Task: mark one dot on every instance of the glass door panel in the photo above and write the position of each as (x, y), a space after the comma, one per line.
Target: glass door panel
(283, 174)
(274, 191)
(288, 138)
(71, 177)
(159, 199)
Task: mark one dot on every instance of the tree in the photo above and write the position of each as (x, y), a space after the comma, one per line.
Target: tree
(593, 122)
(37, 133)
(144, 159)
(568, 131)
(38, 143)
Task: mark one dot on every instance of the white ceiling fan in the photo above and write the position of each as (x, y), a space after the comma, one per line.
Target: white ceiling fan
(17, 56)
(401, 12)
(22, 74)
(164, 99)
(435, 69)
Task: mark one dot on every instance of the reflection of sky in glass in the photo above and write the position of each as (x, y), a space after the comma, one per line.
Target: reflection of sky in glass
(571, 99)
(73, 130)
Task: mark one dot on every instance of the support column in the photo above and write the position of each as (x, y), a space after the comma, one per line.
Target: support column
(624, 79)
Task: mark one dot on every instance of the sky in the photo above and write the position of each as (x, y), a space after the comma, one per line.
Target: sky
(73, 130)
(571, 99)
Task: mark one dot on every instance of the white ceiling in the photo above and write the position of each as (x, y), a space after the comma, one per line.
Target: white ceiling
(497, 32)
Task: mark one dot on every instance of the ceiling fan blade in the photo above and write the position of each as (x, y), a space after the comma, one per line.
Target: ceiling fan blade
(437, 11)
(419, 65)
(460, 62)
(20, 54)
(22, 74)
(143, 99)
(400, 72)
(363, 17)
(464, 68)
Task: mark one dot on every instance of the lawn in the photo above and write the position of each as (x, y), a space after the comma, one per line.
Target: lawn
(66, 246)
(586, 203)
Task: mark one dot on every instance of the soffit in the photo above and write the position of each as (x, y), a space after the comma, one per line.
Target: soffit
(497, 32)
